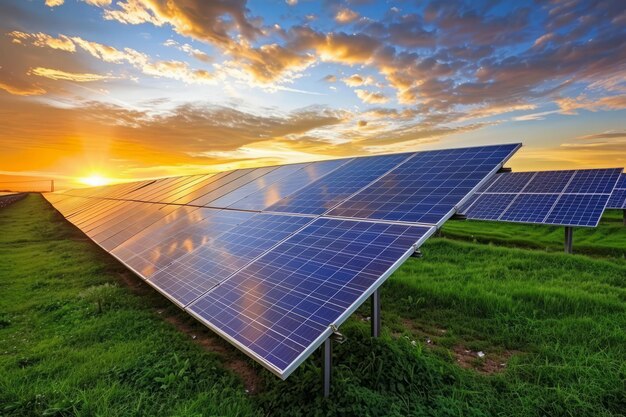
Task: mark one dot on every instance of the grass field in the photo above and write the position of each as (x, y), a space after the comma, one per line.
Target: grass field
(552, 328)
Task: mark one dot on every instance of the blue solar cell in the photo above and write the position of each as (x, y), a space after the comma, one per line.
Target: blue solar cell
(530, 208)
(221, 255)
(281, 304)
(513, 182)
(273, 193)
(256, 185)
(550, 182)
(487, 206)
(594, 181)
(427, 187)
(578, 210)
(617, 199)
(621, 182)
(327, 192)
(185, 239)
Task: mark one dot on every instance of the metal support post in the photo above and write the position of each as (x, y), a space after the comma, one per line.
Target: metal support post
(375, 319)
(327, 359)
(569, 239)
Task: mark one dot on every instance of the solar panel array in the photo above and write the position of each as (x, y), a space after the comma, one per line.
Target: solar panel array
(270, 258)
(565, 198)
(618, 197)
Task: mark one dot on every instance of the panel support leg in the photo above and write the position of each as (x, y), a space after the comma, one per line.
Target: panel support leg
(624, 211)
(375, 319)
(569, 239)
(327, 359)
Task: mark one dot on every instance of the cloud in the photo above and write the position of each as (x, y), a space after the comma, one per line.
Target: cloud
(189, 50)
(17, 91)
(54, 3)
(356, 80)
(62, 43)
(55, 74)
(371, 97)
(605, 135)
(330, 78)
(172, 69)
(209, 21)
(346, 15)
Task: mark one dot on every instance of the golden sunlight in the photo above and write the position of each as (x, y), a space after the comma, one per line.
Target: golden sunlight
(95, 180)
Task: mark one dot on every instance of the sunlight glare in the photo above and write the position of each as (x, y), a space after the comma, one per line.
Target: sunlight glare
(94, 180)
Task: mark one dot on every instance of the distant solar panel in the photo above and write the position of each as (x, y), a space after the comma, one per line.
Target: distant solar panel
(281, 253)
(618, 196)
(428, 187)
(566, 198)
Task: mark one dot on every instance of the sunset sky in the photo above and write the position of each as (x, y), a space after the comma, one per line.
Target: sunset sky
(133, 89)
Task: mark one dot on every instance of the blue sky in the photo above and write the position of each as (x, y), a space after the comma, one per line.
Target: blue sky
(141, 88)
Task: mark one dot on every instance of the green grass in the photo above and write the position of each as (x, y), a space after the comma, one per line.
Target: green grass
(557, 321)
(608, 239)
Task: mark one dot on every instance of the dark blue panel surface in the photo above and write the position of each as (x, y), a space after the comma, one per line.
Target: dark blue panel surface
(593, 181)
(578, 210)
(327, 192)
(427, 187)
(617, 199)
(530, 208)
(510, 183)
(549, 182)
(280, 304)
(487, 206)
(273, 193)
(222, 254)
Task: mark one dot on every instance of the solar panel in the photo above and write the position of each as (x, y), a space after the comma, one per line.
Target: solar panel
(273, 193)
(325, 193)
(566, 198)
(618, 196)
(428, 187)
(298, 247)
(280, 307)
(200, 270)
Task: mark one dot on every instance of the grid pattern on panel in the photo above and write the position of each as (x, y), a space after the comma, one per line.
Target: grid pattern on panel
(488, 206)
(617, 199)
(578, 210)
(161, 230)
(618, 196)
(567, 198)
(327, 192)
(208, 265)
(280, 304)
(548, 181)
(256, 185)
(185, 240)
(273, 193)
(427, 187)
(510, 183)
(531, 208)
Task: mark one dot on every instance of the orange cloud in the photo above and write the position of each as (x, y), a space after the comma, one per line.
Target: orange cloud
(17, 91)
(54, 74)
(371, 97)
(346, 15)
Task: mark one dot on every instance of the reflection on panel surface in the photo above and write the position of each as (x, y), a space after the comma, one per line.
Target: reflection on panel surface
(281, 303)
(327, 192)
(427, 187)
(287, 186)
(195, 273)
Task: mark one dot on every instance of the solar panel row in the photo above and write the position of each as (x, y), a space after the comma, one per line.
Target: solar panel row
(566, 198)
(271, 257)
(618, 197)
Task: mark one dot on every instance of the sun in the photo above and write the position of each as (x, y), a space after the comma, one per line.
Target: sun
(94, 180)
